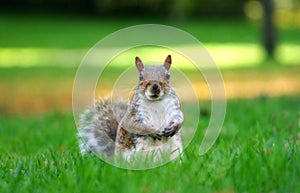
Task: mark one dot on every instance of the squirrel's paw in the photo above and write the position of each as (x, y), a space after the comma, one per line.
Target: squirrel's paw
(157, 136)
(170, 131)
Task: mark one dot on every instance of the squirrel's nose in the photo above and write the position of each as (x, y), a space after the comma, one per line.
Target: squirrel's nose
(155, 87)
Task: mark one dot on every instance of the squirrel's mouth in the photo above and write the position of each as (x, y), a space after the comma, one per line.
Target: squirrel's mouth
(153, 96)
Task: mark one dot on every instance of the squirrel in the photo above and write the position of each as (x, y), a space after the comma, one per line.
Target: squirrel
(151, 121)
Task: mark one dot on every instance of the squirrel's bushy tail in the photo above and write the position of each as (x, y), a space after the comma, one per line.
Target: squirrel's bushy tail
(98, 126)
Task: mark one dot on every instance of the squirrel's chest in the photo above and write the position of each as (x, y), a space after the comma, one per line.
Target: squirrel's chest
(156, 113)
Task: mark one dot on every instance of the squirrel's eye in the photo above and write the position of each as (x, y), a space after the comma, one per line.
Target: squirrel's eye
(168, 76)
(141, 77)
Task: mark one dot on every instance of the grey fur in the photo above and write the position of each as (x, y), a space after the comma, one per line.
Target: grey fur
(110, 128)
(98, 126)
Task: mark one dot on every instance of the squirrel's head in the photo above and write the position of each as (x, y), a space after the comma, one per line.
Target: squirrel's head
(154, 81)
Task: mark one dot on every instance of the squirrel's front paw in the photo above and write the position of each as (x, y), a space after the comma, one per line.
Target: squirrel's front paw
(157, 136)
(170, 131)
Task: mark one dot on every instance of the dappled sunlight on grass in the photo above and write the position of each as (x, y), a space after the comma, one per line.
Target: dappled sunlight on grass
(47, 83)
(26, 57)
(236, 55)
(228, 55)
(289, 54)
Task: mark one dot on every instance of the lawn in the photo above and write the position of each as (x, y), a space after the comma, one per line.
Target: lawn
(61, 31)
(39, 40)
(258, 150)
(67, 32)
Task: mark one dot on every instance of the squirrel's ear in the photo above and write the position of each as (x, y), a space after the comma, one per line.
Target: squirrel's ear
(168, 62)
(139, 64)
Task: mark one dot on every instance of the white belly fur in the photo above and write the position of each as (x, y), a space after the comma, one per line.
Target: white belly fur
(158, 114)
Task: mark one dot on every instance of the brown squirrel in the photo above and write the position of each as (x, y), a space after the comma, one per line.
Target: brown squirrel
(150, 123)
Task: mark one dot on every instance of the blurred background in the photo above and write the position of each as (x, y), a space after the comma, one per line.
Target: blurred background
(255, 43)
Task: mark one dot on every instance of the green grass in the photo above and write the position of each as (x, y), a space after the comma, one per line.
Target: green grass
(40, 40)
(42, 31)
(61, 32)
(258, 150)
